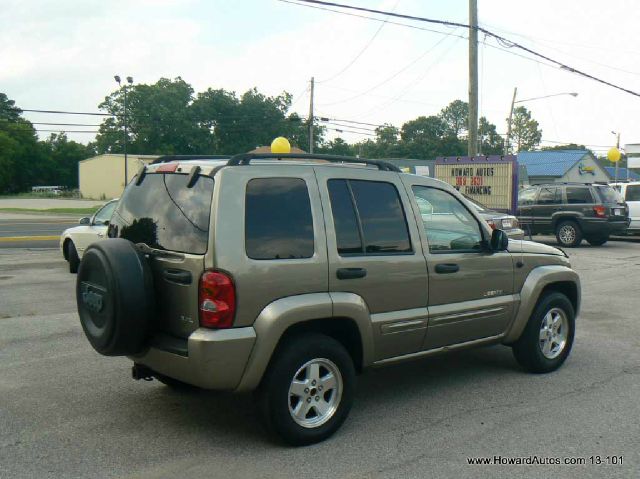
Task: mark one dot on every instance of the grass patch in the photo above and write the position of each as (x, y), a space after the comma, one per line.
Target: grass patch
(68, 211)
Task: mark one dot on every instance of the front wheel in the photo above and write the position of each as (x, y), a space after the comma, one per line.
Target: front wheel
(547, 338)
(568, 234)
(308, 390)
(72, 257)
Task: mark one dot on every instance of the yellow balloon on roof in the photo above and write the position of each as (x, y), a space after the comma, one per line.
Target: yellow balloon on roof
(613, 155)
(280, 145)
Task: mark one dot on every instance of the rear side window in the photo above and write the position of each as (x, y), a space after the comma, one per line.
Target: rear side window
(278, 219)
(549, 195)
(369, 218)
(577, 195)
(633, 193)
(165, 214)
(608, 194)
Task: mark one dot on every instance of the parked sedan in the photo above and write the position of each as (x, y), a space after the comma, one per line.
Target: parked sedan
(75, 240)
(506, 222)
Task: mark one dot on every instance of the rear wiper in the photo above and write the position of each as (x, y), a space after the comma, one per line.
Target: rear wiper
(146, 249)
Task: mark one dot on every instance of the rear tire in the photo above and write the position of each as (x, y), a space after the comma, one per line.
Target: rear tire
(308, 390)
(73, 258)
(548, 336)
(568, 233)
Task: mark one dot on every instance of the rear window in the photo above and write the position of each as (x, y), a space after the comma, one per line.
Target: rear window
(368, 218)
(608, 194)
(278, 219)
(163, 213)
(633, 193)
(577, 195)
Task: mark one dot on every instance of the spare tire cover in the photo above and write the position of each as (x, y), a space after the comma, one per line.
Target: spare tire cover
(114, 293)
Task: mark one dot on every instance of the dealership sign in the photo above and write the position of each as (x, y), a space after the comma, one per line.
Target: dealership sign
(490, 180)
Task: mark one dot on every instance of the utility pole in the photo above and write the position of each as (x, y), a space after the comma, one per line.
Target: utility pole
(506, 140)
(472, 140)
(618, 148)
(311, 118)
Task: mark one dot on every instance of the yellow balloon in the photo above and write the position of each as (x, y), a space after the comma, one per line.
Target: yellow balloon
(613, 155)
(280, 145)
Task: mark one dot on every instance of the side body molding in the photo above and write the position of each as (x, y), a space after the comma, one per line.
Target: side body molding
(538, 279)
(283, 313)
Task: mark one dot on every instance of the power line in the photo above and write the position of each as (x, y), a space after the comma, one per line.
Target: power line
(388, 79)
(500, 39)
(355, 59)
(341, 130)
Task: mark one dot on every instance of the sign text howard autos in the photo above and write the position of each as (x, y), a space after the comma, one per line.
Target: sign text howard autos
(490, 180)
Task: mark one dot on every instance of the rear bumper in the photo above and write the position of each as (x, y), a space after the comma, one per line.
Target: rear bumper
(604, 227)
(214, 359)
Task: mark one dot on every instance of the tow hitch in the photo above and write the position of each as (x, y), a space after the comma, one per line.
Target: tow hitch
(138, 371)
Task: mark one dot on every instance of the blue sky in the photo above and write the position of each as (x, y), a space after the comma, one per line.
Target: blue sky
(63, 55)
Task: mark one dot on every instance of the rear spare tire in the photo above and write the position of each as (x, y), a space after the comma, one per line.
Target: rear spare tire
(114, 294)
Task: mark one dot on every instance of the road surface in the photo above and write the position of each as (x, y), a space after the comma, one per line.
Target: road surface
(33, 232)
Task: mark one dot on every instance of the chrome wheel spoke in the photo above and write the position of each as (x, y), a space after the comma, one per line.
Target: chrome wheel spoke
(313, 372)
(328, 382)
(321, 407)
(298, 388)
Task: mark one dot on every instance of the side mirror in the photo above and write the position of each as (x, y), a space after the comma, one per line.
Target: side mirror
(499, 240)
(85, 221)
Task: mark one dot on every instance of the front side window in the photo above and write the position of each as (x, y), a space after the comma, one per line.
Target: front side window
(449, 226)
(549, 195)
(578, 195)
(368, 217)
(278, 219)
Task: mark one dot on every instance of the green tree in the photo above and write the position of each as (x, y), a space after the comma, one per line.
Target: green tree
(491, 142)
(337, 146)
(21, 157)
(456, 118)
(63, 156)
(525, 131)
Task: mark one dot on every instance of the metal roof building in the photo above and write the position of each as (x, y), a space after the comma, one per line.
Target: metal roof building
(622, 173)
(562, 166)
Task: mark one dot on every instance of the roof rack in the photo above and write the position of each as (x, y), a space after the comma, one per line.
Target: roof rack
(167, 158)
(245, 159)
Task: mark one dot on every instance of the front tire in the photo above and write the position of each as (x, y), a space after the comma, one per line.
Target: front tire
(308, 389)
(73, 258)
(548, 337)
(568, 233)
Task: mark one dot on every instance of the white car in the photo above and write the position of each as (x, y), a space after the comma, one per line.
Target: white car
(630, 193)
(75, 240)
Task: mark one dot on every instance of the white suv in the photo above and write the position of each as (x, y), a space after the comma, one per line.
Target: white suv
(630, 192)
(75, 240)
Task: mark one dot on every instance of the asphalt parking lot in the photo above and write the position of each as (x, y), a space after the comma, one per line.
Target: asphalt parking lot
(66, 411)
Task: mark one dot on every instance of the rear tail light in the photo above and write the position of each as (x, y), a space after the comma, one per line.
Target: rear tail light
(600, 211)
(216, 299)
(492, 224)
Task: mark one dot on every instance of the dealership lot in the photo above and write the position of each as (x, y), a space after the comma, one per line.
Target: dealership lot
(65, 411)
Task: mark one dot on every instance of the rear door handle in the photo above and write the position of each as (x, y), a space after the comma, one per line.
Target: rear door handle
(177, 276)
(351, 273)
(447, 268)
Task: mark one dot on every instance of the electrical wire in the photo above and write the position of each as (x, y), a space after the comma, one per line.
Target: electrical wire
(388, 79)
(364, 49)
(500, 39)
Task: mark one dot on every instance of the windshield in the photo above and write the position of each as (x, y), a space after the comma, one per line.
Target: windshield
(165, 214)
(477, 205)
